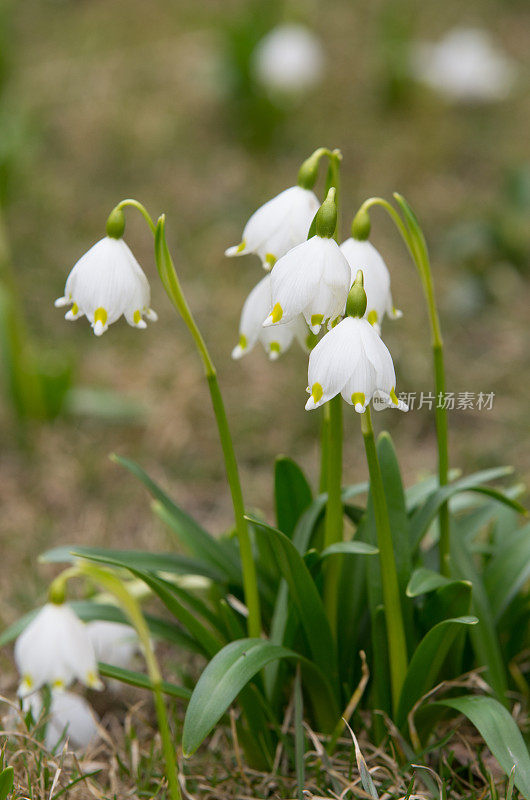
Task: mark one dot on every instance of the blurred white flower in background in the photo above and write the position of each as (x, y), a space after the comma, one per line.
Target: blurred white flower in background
(278, 225)
(274, 339)
(465, 66)
(114, 643)
(55, 649)
(288, 60)
(70, 718)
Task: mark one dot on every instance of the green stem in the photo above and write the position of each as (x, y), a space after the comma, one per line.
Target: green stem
(174, 291)
(413, 237)
(171, 283)
(129, 605)
(395, 630)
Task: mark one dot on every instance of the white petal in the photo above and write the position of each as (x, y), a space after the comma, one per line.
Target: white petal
(334, 360)
(71, 718)
(362, 255)
(114, 642)
(255, 310)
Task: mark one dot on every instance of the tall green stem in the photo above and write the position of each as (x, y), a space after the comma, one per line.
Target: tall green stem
(397, 647)
(412, 235)
(171, 283)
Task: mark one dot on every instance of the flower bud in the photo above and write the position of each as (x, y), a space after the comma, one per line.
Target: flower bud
(361, 225)
(325, 221)
(356, 302)
(308, 172)
(116, 224)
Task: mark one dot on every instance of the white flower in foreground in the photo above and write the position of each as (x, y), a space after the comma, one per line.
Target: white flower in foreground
(278, 226)
(55, 649)
(465, 65)
(274, 339)
(312, 279)
(361, 254)
(114, 643)
(107, 282)
(288, 60)
(70, 718)
(352, 360)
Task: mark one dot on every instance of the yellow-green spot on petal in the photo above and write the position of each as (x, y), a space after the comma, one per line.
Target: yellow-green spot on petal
(58, 684)
(277, 313)
(241, 246)
(372, 316)
(393, 396)
(358, 397)
(92, 679)
(270, 259)
(75, 309)
(317, 319)
(27, 682)
(275, 347)
(316, 392)
(100, 315)
(137, 316)
(243, 341)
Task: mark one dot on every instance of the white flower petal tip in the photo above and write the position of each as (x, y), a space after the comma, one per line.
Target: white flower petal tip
(238, 352)
(151, 315)
(395, 314)
(310, 405)
(268, 322)
(236, 250)
(106, 283)
(315, 329)
(360, 409)
(274, 355)
(72, 315)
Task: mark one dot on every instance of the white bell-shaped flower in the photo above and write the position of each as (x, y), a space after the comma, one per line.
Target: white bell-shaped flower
(466, 66)
(289, 60)
(55, 649)
(361, 254)
(114, 643)
(278, 226)
(352, 360)
(107, 282)
(312, 279)
(275, 339)
(70, 718)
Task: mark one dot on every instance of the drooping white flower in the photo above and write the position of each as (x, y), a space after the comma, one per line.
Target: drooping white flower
(274, 339)
(55, 649)
(361, 254)
(70, 718)
(312, 279)
(279, 225)
(465, 66)
(352, 360)
(114, 643)
(105, 283)
(288, 60)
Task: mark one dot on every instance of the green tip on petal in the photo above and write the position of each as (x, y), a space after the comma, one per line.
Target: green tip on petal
(316, 392)
(277, 313)
(325, 221)
(372, 316)
(243, 341)
(116, 224)
(356, 302)
(361, 226)
(270, 260)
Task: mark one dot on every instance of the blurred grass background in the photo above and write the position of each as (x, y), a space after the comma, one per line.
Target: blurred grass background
(106, 99)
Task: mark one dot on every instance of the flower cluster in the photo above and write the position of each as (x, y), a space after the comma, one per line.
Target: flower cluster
(309, 288)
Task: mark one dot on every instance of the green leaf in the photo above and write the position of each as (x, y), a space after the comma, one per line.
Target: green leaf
(425, 580)
(136, 559)
(220, 683)
(425, 514)
(508, 571)
(350, 548)
(7, 779)
(427, 661)
(292, 494)
(220, 554)
(305, 597)
(500, 732)
(142, 681)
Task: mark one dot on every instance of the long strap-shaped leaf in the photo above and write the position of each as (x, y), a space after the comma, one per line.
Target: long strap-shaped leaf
(197, 540)
(305, 596)
(500, 732)
(225, 677)
(508, 571)
(141, 680)
(426, 662)
(425, 514)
